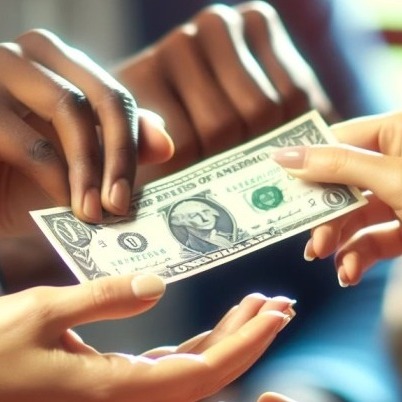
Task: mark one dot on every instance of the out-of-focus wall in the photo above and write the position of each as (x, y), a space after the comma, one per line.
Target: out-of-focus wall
(106, 30)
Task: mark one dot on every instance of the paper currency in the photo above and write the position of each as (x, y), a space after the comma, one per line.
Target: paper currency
(206, 215)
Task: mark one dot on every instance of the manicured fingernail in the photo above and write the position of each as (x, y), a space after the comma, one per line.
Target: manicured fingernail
(342, 281)
(309, 254)
(120, 195)
(284, 299)
(91, 206)
(290, 311)
(285, 322)
(148, 286)
(290, 157)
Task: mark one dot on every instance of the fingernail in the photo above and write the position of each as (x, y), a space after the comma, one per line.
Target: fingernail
(286, 321)
(148, 286)
(290, 312)
(342, 282)
(309, 254)
(285, 299)
(290, 157)
(91, 206)
(120, 195)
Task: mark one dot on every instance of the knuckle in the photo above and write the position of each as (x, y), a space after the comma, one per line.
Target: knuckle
(336, 162)
(122, 97)
(72, 100)
(220, 127)
(390, 135)
(36, 302)
(36, 37)
(179, 37)
(87, 160)
(119, 100)
(42, 150)
(216, 15)
(9, 51)
(295, 99)
(262, 114)
(102, 293)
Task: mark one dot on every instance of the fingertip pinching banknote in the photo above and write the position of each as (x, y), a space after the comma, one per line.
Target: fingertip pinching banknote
(206, 215)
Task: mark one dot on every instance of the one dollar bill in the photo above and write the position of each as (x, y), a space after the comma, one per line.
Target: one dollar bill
(206, 215)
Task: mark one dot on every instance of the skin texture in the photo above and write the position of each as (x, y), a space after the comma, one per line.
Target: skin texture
(243, 77)
(58, 146)
(227, 75)
(369, 156)
(83, 139)
(70, 134)
(47, 361)
(274, 397)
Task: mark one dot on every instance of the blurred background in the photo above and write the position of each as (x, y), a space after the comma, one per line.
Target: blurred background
(109, 31)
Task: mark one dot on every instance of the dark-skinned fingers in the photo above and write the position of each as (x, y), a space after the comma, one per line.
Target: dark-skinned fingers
(155, 144)
(376, 243)
(215, 120)
(161, 98)
(113, 108)
(57, 101)
(271, 46)
(220, 33)
(186, 148)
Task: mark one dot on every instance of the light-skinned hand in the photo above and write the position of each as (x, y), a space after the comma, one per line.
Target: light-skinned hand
(43, 360)
(274, 397)
(369, 156)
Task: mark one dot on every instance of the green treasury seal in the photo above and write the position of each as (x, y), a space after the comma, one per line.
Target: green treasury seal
(267, 197)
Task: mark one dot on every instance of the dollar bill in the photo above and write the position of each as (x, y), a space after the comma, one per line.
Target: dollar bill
(207, 215)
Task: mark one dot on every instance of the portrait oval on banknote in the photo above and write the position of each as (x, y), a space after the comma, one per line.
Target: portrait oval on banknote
(202, 225)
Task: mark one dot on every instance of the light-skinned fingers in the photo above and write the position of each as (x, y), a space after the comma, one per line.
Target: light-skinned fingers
(368, 246)
(226, 360)
(237, 316)
(259, 331)
(378, 133)
(274, 397)
(327, 238)
(231, 322)
(214, 368)
(346, 164)
(100, 299)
